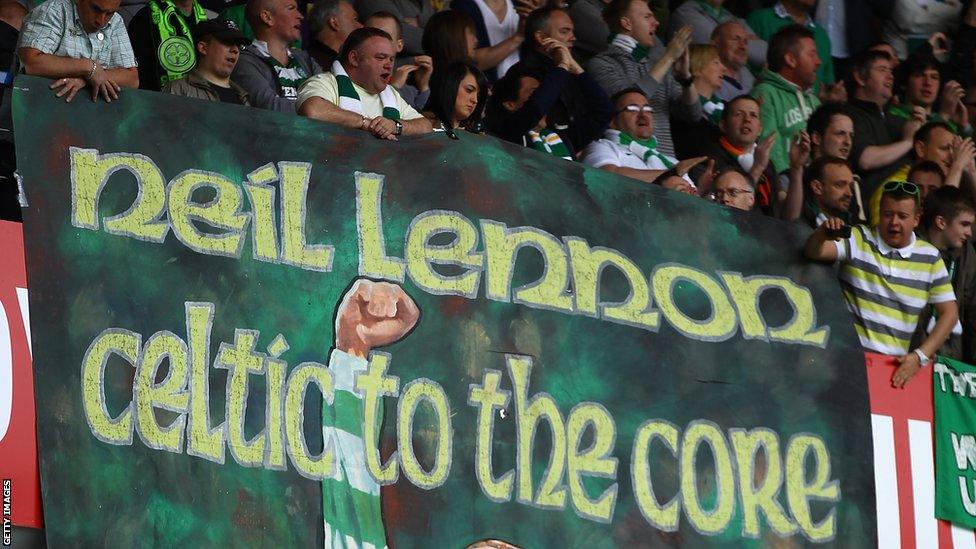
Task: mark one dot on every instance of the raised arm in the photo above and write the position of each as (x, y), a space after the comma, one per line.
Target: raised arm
(820, 246)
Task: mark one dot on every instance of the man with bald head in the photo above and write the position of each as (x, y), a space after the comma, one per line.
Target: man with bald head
(269, 70)
(731, 39)
(356, 92)
(330, 22)
(79, 43)
(733, 188)
(705, 16)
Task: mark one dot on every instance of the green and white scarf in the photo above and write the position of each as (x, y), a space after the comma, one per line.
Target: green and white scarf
(712, 108)
(353, 517)
(645, 149)
(549, 141)
(349, 98)
(630, 45)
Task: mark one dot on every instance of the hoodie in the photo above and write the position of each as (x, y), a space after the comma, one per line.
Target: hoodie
(784, 109)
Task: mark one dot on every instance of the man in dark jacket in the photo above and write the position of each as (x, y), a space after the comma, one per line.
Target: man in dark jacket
(947, 223)
(549, 100)
(218, 48)
(269, 69)
(578, 108)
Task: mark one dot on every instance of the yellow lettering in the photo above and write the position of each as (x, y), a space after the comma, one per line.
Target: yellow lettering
(663, 517)
(421, 255)
(374, 385)
(305, 463)
(528, 414)
(594, 461)
(588, 265)
(799, 492)
(719, 326)
(801, 328)
(203, 441)
(240, 360)
(294, 248)
(768, 473)
(170, 394)
(717, 520)
(373, 261)
(90, 172)
(488, 398)
(414, 392)
(263, 227)
(113, 341)
(223, 212)
(501, 249)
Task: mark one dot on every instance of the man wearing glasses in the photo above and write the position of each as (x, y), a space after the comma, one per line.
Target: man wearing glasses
(888, 276)
(629, 147)
(734, 189)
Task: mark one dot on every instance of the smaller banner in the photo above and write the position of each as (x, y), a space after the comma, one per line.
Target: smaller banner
(955, 442)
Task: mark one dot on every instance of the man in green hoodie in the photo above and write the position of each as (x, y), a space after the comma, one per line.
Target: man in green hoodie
(785, 89)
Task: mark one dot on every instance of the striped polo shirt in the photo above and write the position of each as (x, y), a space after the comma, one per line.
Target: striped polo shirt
(886, 288)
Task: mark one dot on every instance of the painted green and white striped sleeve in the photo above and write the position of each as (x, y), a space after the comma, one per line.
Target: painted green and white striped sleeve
(351, 509)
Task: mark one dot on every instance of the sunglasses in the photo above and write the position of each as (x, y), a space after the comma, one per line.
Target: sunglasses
(637, 108)
(906, 187)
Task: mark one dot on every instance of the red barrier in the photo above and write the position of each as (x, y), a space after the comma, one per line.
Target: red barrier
(904, 463)
(18, 441)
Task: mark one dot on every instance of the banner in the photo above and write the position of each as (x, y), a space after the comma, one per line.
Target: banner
(255, 329)
(20, 497)
(904, 462)
(955, 441)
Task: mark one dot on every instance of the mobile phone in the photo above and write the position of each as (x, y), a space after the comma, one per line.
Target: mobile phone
(843, 232)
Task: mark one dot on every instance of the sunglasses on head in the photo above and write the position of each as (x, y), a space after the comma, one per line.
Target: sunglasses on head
(906, 187)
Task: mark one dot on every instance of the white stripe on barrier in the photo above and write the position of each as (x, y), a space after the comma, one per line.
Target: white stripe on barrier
(963, 538)
(923, 484)
(6, 374)
(25, 317)
(886, 482)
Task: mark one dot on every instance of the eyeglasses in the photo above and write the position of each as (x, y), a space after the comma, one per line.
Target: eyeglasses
(715, 196)
(906, 187)
(637, 108)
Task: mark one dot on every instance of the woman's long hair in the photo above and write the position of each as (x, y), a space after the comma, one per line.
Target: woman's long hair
(445, 37)
(444, 84)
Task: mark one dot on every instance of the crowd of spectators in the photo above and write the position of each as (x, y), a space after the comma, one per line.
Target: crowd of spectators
(853, 117)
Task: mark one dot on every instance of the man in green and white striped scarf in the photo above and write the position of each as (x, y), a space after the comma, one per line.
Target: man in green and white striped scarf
(357, 94)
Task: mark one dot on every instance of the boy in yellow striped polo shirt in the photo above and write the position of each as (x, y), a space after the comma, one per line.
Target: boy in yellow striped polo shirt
(888, 275)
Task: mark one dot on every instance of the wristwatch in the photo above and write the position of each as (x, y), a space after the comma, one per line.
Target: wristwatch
(923, 360)
(399, 128)
(685, 82)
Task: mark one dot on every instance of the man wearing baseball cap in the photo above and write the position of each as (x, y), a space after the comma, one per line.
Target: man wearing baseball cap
(218, 46)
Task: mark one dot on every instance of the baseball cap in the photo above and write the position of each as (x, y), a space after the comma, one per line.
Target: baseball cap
(221, 29)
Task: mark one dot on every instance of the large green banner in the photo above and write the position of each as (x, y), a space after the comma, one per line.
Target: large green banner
(252, 329)
(955, 442)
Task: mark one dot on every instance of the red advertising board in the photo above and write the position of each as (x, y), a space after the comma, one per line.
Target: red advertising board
(18, 445)
(904, 464)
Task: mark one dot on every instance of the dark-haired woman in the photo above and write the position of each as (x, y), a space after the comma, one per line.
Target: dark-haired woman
(457, 97)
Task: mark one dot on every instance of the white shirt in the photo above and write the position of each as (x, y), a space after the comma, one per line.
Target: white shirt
(324, 85)
(499, 31)
(607, 152)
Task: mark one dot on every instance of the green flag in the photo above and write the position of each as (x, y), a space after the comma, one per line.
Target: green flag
(955, 442)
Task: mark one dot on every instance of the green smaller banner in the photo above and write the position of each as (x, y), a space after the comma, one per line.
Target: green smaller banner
(955, 442)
